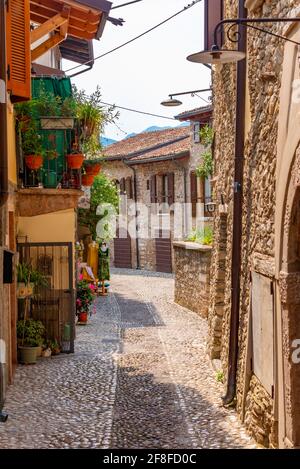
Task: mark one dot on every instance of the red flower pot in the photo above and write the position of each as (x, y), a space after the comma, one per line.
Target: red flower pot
(87, 179)
(83, 317)
(93, 169)
(34, 161)
(75, 160)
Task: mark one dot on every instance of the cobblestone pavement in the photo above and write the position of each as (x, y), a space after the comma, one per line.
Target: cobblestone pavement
(139, 378)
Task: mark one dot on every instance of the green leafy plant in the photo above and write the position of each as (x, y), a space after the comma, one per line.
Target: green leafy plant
(220, 376)
(32, 141)
(103, 191)
(91, 119)
(23, 273)
(30, 332)
(202, 236)
(26, 274)
(205, 169)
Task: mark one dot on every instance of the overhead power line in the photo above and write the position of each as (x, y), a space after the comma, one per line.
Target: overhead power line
(136, 37)
(138, 112)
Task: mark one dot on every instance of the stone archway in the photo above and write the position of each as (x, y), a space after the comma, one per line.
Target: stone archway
(289, 288)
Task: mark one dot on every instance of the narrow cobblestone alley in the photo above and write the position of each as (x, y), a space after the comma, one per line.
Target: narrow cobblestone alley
(139, 378)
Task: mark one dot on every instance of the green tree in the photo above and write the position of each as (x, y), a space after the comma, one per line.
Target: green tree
(103, 191)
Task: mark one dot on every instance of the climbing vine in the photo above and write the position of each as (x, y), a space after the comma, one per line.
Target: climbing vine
(205, 169)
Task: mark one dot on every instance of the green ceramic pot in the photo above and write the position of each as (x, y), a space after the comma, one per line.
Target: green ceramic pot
(28, 355)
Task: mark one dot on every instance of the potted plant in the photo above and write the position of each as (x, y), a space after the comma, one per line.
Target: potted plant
(54, 347)
(75, 159)
(84, 299)
(23, 279)
(87, 179)
(32, 147)
(92, 166)
(30, 334)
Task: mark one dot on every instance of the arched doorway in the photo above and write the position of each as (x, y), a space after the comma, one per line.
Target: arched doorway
(289, 288)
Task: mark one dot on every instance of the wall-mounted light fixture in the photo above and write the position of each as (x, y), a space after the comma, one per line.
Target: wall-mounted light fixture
(217, 55)
(171, 102)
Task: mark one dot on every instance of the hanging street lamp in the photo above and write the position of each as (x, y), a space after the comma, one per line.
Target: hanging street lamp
(171, 102)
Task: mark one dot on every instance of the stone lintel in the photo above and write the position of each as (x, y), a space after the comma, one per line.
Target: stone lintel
(33, 202)
(189, 245)
(264, 265)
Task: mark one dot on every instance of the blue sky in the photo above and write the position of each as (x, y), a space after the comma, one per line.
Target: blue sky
(143, 73)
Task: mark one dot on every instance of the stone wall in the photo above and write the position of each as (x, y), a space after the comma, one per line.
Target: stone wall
(192, 276)
(264, 59)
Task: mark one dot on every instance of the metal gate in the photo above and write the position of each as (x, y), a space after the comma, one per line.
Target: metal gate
(54, 304)
(163, 254)
(122, 252)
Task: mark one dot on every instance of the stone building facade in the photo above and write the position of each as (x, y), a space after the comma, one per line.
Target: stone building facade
(157, 170)
(268, 377)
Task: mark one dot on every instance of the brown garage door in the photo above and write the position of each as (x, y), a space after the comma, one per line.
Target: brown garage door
(122, 250)
(163, 255)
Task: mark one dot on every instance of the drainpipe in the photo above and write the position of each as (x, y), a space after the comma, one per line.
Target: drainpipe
(3, 109)
(138, 266)
(184, 170)
(237, 215)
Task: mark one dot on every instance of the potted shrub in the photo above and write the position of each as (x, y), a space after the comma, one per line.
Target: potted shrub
(30, 334)
(32, 148)
(84, 299)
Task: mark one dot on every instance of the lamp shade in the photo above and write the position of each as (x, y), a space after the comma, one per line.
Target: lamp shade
(217, 56)
(171, 102)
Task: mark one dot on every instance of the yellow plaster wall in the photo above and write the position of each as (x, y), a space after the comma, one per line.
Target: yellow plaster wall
(52, 227)
(11, 139)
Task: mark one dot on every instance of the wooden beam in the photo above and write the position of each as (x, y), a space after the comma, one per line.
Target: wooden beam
(47, 45)
(83, 24)
(53, 23)
(48, 8)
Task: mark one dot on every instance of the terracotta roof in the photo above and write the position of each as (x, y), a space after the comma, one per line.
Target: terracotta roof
(147, 145)
(199, 111)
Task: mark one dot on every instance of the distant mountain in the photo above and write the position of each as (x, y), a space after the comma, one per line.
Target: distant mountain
(107, 141)
(153, 128)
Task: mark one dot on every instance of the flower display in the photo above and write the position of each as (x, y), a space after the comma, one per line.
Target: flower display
(85, 296)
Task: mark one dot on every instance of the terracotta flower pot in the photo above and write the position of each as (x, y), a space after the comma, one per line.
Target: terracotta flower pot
(83, 317)
(93, 169)
(87, 179)
(75, 160)
(34, 162)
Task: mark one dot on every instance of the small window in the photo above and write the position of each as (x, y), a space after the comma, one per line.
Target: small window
(196, 131)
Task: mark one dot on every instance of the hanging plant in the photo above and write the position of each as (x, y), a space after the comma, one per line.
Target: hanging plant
(205, 169)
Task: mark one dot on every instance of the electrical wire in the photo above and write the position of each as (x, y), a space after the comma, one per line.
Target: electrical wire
(136, 37)
(138, 112)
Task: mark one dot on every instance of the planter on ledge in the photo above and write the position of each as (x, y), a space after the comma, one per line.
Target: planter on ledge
(87, 179)
(91, 168)
(82, 318)
(75, 160)
(34, 162)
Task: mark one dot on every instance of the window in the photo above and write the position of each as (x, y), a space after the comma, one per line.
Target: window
(213, 15)
(162, 188)
(196, 132)
(200, 192)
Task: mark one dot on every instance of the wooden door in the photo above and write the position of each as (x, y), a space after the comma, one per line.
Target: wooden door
(163, 254)
(122, 252)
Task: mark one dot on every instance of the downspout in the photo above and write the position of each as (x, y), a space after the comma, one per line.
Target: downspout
(237, 214)
(138, 266)
(184, 170)
(3, 109)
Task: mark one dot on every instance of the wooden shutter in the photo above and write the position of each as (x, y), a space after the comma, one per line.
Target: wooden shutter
(213, 15)
(122, 186)
(193, 179)
(128, 187)
(153, 189)
(18, 50)
(171, 192)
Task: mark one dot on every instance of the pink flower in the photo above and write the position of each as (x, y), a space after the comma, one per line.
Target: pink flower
(78, 302)
(92, 287)
(80, 277)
